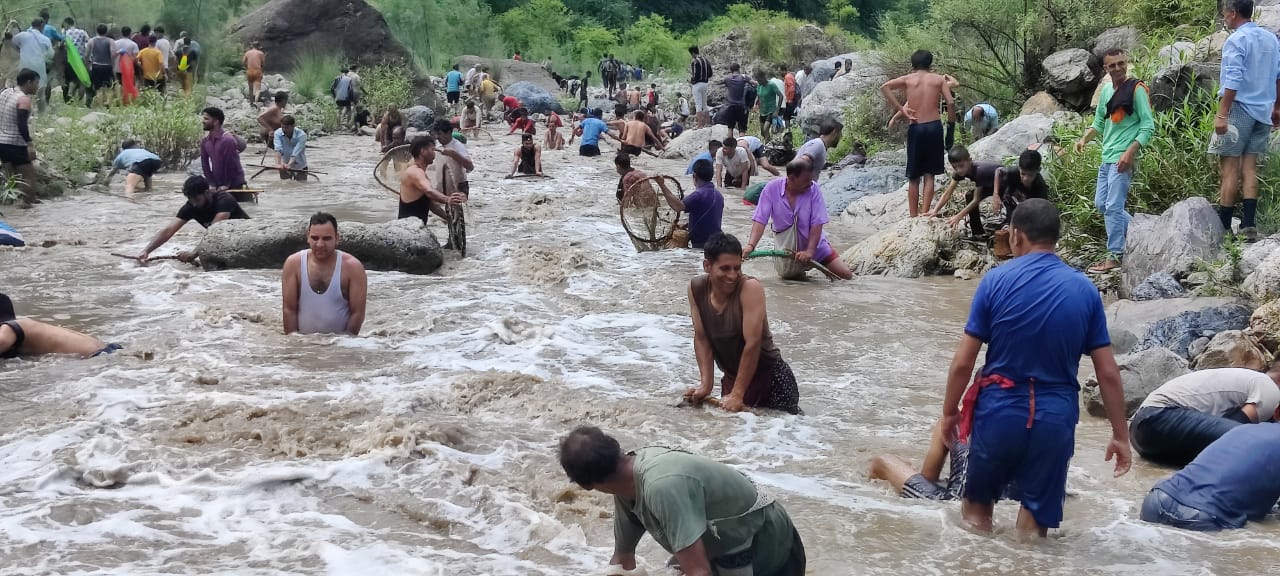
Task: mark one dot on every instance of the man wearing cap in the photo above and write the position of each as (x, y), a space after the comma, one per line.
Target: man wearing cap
(204, 206)
(27, 337)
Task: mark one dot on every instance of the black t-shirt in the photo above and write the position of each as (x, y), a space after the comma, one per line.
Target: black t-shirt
(1012, 191)
(219, 202)
(984, 175)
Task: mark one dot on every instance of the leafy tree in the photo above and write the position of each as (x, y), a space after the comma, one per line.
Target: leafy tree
(592, 40)
(540, 25)
(609, 13)
(649, 42)
(843, 13)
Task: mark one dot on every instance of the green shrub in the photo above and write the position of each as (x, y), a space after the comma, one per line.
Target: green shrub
(314, 71)
(169, 127)
(386, 85)
(321, 114)
(1155, 15)
(866, 120)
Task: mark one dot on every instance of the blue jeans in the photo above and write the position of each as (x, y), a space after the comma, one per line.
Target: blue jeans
(1160, 508)
(1175, 436)
(1109, 197)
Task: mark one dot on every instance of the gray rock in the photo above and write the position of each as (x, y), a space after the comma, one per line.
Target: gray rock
(1267, 15)
(1158, 286)
(828, 100)
(533, 97)
(853, 183)
(264, 243)
(1232, 349)
(1071, 74)
(1174, 84)
(94, 118)
(1255, 253)
(1040, 103)
(287, 29)
(418, 118)
(1198, 346)
(912, 248)
(1124, 38)
(897, 158)
(1130, 323)
(1177, 54)
(215, 102)
(1140, 374)
(232, 94)
(690, 143)
(1209, 49)
(1178, 332)
(1012, 138)
(1264, 281)
(1187, 232)
(1264, 325)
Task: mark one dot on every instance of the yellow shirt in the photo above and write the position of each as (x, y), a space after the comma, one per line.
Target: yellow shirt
(488, 88)
(152, 61)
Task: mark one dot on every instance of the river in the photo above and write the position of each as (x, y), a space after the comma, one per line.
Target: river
(215, 445)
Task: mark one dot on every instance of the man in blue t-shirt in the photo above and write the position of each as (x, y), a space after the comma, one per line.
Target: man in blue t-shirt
(705, 206)
(1037, 316)
(1235, 480)
(709, 155)
(453, 86)
(590, 129)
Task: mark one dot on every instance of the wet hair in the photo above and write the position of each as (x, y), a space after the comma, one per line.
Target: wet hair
(1242, 8)
(704, 170)
(622, 160)
(288, 121)
(921, 60)
(730, 142)
(323, 218)
(215, 113)
(102, 29)
(442, 125)
(958, 153)
(719, 244)
(734, 67)
(799, 166)
(125, 30)
(694, 50)
(526, 137)
(639, 115)
(589, 456)
(597, 113)
(420, 143)
(281, 98)
(1039, 220)
(455, 66)
(1029, 160)
(27, 75)
(829, 127)
(195, 186)
(128, 144)
(6, 308)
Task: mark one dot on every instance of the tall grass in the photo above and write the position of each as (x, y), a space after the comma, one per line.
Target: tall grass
(385, 86)
(314, 71)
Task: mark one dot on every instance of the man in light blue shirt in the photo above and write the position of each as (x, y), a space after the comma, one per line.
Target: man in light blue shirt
(140, 163)
(34, 49)
(453, 86)
(709, 154)
(983, 120)
(1249, 78)
(291, 150)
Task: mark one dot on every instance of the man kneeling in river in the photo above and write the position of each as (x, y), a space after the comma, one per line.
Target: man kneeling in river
(731, 331)
(324, 288)
(204, 206)
(27, 337)
(711, 517)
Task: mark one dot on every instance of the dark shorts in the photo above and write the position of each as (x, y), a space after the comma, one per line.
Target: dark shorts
(14, 154)
(452, 97)
(1174, 436)
(1161, 508)
(1003, 450)
(146, 168)
(588, 150)
(100, 77)
(108, 349)
(157, 84)
(20, 336)
(736, 117)
(790, 111)
(758, 152)
(297, 175)
(343, 103)
(773, 386)
(632, 150)
(731, 181)
(925, 149)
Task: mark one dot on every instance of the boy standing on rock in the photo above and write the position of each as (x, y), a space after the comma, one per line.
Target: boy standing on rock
(926, 142)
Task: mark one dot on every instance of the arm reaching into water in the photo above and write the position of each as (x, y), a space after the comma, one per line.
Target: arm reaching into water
(702, 351)
(161, 237)
(753, 319)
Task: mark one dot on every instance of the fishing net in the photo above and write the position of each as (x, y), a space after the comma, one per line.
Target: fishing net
(646, 217)
(387, 171)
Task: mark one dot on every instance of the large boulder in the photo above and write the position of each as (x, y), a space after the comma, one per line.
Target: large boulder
(1254, 254)
(1158, 286)
(1140, 374)
(1171, 323)
(1267, 15)
(1070, 75)
(912, 248)
(1040, 103)
(1013, 137)
(1264, 325)
(853, 183)
(534, 98)
(1124, 38)
(801, 46)
(690, 143)
(507, 72)
(1176, 54)
(1175, 84)
(829, 100)
(1188, 232)
(1209, 48)
(1264, 282)
(419, 118)
(264, 243)
(290, 29)
(1232, 349)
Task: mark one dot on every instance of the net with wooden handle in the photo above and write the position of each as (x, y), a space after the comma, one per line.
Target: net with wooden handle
(646, 217)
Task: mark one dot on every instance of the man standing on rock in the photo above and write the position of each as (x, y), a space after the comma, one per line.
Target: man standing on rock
(17, 148)
(1247, 113)
(205, 206)
(220, 154)
(1023, 406)
(254, 60)
(324, 289)
(829, 134)
(699, 77)
(1125, 121)
(735, 98)
(926, 140)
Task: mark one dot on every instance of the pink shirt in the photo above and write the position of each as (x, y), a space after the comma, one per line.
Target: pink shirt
(810, 210)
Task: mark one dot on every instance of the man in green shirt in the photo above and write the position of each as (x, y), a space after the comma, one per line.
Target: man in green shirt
(1126, 124)
(769, 98)
(712, 517)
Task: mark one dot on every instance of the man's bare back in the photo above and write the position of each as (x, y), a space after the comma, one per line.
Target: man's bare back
(633, 132)
(253, 60)
(41, 338)
(269, 120)
(925, 90)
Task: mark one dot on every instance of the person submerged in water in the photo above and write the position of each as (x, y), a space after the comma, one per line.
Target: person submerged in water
(27, 337)
(418, 198)
(527, 159)
(731, 331)
(324, 289)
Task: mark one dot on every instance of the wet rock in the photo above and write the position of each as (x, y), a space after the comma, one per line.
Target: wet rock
(1198, 346)
(690, 143)
(418, 118)
(1174, 84)
(1232, 349)
(207, 380)
(264, 243)
(1264, 282)
(1124, 38)
(533, 97)
(1187, 232)
(912, 248)
(1013, 137)
(828, 100)
(1140, 374)
(1071, 74)
(1264, 325)
(1158, 286)
(1139, 325)
(853, 183)
(1040, 103)
(963, 274)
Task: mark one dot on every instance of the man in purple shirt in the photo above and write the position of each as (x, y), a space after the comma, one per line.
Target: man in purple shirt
(705, 206)
(220, 154)
(795, 205)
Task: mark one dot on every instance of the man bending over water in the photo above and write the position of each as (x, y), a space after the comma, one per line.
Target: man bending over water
(27, 337)
(204, 206)
(324, 289)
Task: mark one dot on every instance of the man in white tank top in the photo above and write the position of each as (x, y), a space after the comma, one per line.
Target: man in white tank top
(324, 289)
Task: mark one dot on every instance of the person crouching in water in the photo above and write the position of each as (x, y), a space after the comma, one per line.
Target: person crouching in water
(528, 158)
(731, 331)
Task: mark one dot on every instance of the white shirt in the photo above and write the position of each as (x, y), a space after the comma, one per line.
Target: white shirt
(1219, 391)
(162, 44)
(684, 106)
(738, 165)
(123, 45)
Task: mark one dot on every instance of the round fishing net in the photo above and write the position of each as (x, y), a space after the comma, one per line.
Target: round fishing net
(646, 217)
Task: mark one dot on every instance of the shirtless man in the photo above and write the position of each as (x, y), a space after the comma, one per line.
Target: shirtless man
(634, 133)
(925, 136)
(254, 60)
(633, 98)
(527, 158)
(333, 301)
(269, 119)
(27, 337)
(554, 139)
(418, 198)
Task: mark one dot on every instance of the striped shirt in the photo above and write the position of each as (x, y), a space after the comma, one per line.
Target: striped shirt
(9, 134)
